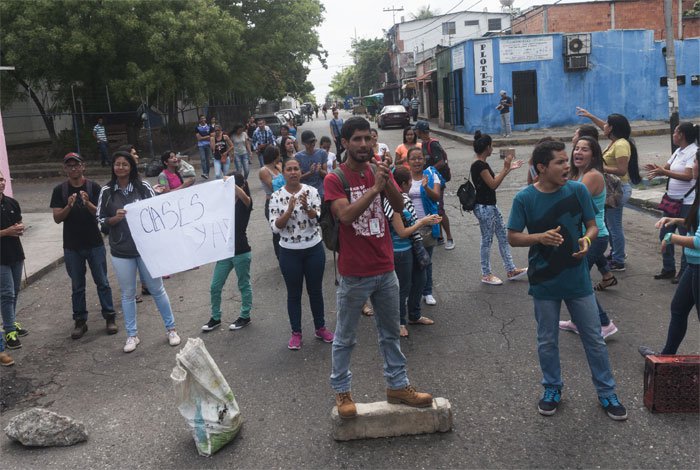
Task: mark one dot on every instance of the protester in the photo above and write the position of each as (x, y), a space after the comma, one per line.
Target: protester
(366, 268)
(262, 138)
(100, 134)
(285, 131)
(680, 186)
(287, 148)
(292, 130)
(240, 261)
(241, 150)
(294, 211)
(312, 162)
(202, 134)
(250, 127)
(74, 203)
(403, 225)
(380, 150)
(425, 194)
(126, 187)
(688, 290)
(325, 144)
(504, 105)
(553, 210)
(221, 146)
(272, 179)
(587, 167)
(436, 157)
(170, 178)
(11, 263)
(335, 126)
(401, 152)
(486, 211)
(619, 159)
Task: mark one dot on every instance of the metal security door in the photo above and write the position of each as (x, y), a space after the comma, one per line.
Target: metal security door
(525, 97)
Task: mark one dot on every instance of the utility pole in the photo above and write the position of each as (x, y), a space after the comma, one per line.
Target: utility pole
(357, 73)
(671, 70)
(393, 13)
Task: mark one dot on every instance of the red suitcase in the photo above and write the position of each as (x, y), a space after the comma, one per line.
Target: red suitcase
(671, 384)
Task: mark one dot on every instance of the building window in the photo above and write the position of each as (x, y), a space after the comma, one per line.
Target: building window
(494, 24)
(448, 28)
(471, 23)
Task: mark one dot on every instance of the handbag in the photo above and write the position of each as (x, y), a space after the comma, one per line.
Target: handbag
(671, 206)
(420, 254)
(466, 194)
(613, 190)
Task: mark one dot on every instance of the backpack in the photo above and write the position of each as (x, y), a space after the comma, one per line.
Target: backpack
(467, 195)
(89, 185)
(327, 221)
(445, 170)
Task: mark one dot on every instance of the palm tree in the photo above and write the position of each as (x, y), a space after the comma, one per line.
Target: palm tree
(424, 12)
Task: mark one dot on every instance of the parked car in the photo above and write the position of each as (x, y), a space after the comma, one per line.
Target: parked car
(298, 117)
(394, 115)
(272, 121)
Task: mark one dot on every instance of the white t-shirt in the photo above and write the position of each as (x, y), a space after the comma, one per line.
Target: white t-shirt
(331, 160)
(300, 231)
(679, 161)
(416, 199)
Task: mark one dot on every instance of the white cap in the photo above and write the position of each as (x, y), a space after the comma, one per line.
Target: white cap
(503, 92)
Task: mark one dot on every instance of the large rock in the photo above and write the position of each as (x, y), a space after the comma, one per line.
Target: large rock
(43, 428)
(381, 419)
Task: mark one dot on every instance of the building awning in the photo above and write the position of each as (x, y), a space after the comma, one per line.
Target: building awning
(424, 78)
(409, 85)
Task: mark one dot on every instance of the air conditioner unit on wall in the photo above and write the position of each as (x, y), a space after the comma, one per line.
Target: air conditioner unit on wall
(573, 63)
(576, 44)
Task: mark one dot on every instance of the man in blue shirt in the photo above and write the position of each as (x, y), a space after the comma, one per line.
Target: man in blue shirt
(336, 125)
(313, 162)
(262, 137)
(202, 133)
(554, 210)
(504, 108)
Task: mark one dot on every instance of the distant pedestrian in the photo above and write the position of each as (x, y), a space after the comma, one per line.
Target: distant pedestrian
(415, 103)
(554, 210)
(336, 124)
(240, 262)
(503, 107)
(487, 212)
(406, 103)
(221, 147)
(294, 211)
(325, 144)
(100, 134)
(126, 187)
(74, 203)
(203, 133)
(366, 267)
(262, 138)
(241, 150)
(409, 140)
(250, 127)
(11, 263)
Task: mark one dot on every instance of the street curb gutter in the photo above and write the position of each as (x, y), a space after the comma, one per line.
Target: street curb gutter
(35, 276)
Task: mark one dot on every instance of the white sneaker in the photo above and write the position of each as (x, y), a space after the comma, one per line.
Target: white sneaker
(429, 299)
(450, 245)
(568, 325)
(491, 280)
(131, 343)
(609, 330)
(173, 338)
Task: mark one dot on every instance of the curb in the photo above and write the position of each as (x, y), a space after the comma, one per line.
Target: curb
(44, 270)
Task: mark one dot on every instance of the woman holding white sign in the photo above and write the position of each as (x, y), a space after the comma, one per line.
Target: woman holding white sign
(294, 211)
(124, 188)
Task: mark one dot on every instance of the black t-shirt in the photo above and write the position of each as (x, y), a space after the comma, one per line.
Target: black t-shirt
(432, 152)
(242, 218)
(80, 230)
(484, 194)
(11, 250)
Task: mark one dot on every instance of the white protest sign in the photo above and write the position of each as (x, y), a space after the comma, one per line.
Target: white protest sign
(183, 229)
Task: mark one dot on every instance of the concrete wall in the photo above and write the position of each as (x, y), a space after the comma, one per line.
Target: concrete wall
(623, 77)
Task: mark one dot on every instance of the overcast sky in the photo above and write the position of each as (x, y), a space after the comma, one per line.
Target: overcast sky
(366, 18)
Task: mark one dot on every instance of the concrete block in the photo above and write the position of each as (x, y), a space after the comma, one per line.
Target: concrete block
(381, 419)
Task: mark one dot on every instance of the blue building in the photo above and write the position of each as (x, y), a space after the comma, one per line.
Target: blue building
(548, 75)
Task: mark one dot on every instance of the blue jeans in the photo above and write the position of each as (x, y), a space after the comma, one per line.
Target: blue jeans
(409, 275)
(125, 269)
(687, 294)
(96, 258)
(103, 147)
(383, 291)
(490, 223)
(583, 314)
(668, 256)
(242, 163)
(275, 236)
(260, 159)
(218, 167)
(204, 156)
(241, 263)
(296, 266)
(596, 256)
(428, 286)
(10, 281)
(505, 123)
(613, 220)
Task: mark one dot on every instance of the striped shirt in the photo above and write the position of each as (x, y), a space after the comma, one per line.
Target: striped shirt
(100, 133)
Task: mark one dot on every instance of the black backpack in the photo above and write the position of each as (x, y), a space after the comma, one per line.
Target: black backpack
(467, 195)
(329, 224)
(445, 171)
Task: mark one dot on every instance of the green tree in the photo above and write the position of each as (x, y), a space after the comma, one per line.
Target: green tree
(344, 82)
(371, 57)
(424, 13)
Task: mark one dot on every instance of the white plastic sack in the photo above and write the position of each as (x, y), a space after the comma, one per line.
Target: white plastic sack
(204, 398)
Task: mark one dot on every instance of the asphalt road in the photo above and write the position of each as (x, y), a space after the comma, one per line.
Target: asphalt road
(480, 354)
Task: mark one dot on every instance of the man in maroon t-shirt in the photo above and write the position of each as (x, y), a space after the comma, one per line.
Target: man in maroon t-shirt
(366, 266)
